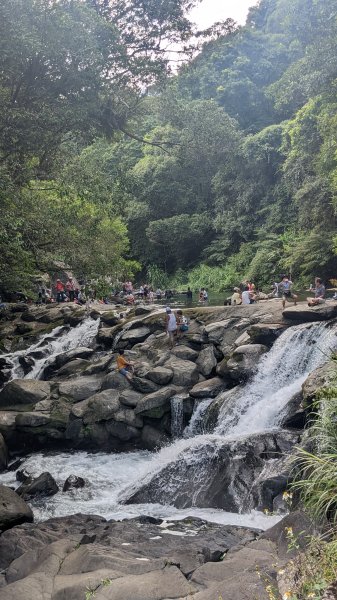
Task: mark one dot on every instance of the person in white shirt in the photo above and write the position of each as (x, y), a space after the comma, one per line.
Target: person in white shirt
(245, 296)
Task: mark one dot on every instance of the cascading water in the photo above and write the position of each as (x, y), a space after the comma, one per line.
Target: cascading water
(51, 345)
(177, 416)
(196, 424)
(188, 468)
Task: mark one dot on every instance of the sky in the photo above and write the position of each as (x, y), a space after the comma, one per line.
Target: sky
(210, 11)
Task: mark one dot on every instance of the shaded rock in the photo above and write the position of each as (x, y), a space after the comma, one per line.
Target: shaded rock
(160, 399)
(185, 372)
(160, 375)
(43, 485)
(243, 361)
(206, 361)
(23, 392)
(153, 438)
(22, 328)
(130, 398)
(209, 388)
(294, 416)
(99, 366)
(32, 419)
(115, 380)
(3, 454)
(73, 482)
(185, 353)
(318, 379)
(143, 385)
(302, 528)
(109, 317)
(26, 362)
(143, 310)
(133, 336)
(65, 357)
(80, 388)
(99, 407)
(105, 336)
(73, 367)
(265, 333)
(122, 431)
(306, 314)
(214, 332)
(129, 417)
(13, 509)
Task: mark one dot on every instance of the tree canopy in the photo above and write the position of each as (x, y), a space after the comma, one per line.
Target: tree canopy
(112, 160)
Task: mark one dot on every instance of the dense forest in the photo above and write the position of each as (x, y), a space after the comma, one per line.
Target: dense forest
(120, 163)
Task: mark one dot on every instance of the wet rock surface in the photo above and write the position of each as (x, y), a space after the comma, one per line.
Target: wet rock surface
(63, 558)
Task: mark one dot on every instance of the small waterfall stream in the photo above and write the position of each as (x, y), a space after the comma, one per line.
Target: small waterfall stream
(177, 416)
(52, 344)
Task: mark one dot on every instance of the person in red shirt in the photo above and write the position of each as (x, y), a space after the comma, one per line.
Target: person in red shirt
(59, 291)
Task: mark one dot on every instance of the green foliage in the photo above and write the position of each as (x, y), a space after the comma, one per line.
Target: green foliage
(316, 478)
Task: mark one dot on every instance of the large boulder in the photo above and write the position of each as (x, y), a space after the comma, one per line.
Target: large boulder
(133, 336)
(265, 333)
(99, 407)
(231, 472)
(74, 367)
(303, 313)
(115, 381)
(13, 509)
(41, 486)
(144, 386)
(185, 372)
(185, 353)
(160, 375)
(22, 392)
(109, 317)
(130, 398)
(243, 362)
(214, 332)
(155, 405)
(322, 377)
(206, 361)
(80, 388)
(209, 388)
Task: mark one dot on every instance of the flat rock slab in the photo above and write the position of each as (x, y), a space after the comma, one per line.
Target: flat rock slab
(306, 314)
(22, 392)
(132, 336)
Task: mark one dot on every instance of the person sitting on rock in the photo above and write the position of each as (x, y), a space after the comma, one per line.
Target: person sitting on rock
(124, 367)
(319, 293)
(182, 323)
(285, 288)
(236, 297)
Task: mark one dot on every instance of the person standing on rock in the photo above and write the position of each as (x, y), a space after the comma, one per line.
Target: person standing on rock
(59, 291)
(285, 287)
(171, 326)
(70, 287)
(124, 367)
(319, 293)
(182, 323)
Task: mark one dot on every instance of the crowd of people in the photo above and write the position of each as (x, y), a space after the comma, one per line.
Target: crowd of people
(247, 293)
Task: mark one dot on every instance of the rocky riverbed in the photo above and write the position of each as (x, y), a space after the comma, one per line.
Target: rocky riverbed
(61, 391)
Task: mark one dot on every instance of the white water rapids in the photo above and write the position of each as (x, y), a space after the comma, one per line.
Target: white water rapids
(255, 407)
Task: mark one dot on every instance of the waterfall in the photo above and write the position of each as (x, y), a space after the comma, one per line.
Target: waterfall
(52, 344)
(177, 416)
(183, 473)
(258, 405)
(196, 424)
